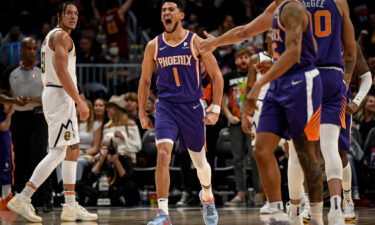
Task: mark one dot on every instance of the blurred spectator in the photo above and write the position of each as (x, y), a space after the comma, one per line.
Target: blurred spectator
(226, 25)
(121, 130)
(84, 53)
(6, 164)
(365, 117)
(234, 95)
(115, 26)
(118, 170)
(14, 35)
(113, 54)
(29, 127)
(131, 105)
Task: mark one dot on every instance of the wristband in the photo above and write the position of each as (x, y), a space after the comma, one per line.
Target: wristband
(216, 109)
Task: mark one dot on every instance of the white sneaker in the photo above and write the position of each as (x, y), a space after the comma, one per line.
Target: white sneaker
(236, 202)
(306, 216)
(348, 209)
(73, 212)
(23, 207)
(335, 217)
(267, 209)
(294, 218)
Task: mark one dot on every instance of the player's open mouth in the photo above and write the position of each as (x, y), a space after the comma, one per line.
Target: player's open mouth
(168, 21)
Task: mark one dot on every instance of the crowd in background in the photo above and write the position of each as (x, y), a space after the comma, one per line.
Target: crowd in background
(112, 140)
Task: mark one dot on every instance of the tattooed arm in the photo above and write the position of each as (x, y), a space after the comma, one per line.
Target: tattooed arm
(295, 21)
(348, 40)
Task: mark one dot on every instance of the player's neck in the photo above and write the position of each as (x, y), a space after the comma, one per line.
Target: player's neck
(67, 30)
(175, 36)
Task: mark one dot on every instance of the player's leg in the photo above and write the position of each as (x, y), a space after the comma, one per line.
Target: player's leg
(72, 211)
(269, 172)
(333, 118)
(272, 126)
(303, 110)
(166, 131)
(344, 146)
(21, 203)
(6, 167)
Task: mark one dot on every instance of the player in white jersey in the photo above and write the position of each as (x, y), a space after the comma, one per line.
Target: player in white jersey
(59, 98)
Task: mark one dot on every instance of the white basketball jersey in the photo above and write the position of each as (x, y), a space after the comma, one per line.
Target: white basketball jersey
(264, 89)
(49, 76)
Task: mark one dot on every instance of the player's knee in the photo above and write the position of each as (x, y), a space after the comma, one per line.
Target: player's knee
(164, 157)
(260, 153)
(58, 153)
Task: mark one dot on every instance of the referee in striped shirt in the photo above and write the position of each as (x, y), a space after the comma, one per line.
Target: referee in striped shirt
(28, 128)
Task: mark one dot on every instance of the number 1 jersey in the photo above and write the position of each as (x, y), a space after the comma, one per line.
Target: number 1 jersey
(178, 70)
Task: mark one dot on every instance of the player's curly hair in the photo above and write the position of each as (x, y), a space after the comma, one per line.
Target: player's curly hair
(180, 4)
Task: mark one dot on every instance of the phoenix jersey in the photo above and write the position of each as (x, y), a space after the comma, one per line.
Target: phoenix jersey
(264, 89)
(179, 77)
(49, 75)
(278, 41)
(326, 22)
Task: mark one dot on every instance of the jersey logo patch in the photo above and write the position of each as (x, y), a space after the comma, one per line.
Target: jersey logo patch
(161, 49)
(67, 136)
(296, 82)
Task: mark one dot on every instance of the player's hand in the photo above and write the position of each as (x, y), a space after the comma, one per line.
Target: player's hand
(351, 108)
(9, 109)
(146, 123)
(83, 111)
(207, 45)
(263, 67)
(22, 100)
(234, 120)
(252, 97)
(211, 118)
(247, 122)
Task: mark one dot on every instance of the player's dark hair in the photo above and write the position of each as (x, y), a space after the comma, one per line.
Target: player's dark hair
(180, 4)
(62, 7)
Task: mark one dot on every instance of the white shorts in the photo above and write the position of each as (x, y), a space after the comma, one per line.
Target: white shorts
(61, 116)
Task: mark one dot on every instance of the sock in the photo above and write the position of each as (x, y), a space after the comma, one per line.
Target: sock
(347, 195)
(70, 197)
(163, 205)
(207, 194)
(295, 210)
(277, 205)
(5, 190)
(28, 191)
(335, 203)
(347, 180)
(316, 210)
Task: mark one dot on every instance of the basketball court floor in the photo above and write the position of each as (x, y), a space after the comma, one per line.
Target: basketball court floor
(181, 216)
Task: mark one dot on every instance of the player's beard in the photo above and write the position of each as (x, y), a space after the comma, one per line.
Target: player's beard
(174, 28)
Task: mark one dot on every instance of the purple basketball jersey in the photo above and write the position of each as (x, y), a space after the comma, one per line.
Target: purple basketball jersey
(179, 78)
(326, 21)
(278, 42)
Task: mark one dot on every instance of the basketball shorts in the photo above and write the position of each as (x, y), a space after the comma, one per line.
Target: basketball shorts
(182, 121)
(345, 133)
(292, 106)
(6, 164)
(61, 116)
(334, 96)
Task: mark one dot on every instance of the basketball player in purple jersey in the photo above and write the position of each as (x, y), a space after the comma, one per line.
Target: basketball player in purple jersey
(292, 106)
(179, 112)
(334, 34)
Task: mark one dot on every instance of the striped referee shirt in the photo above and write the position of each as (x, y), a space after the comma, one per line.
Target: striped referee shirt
(26, 82)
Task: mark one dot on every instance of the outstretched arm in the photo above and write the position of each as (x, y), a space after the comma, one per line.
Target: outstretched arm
(241, 33)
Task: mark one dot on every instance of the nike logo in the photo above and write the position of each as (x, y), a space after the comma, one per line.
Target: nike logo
(161, 49)
(194, 107)
(296, 82)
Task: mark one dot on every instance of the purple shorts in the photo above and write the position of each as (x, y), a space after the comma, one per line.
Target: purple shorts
(180, 120)
(334, 96)
(5, 157)
(292, 106)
